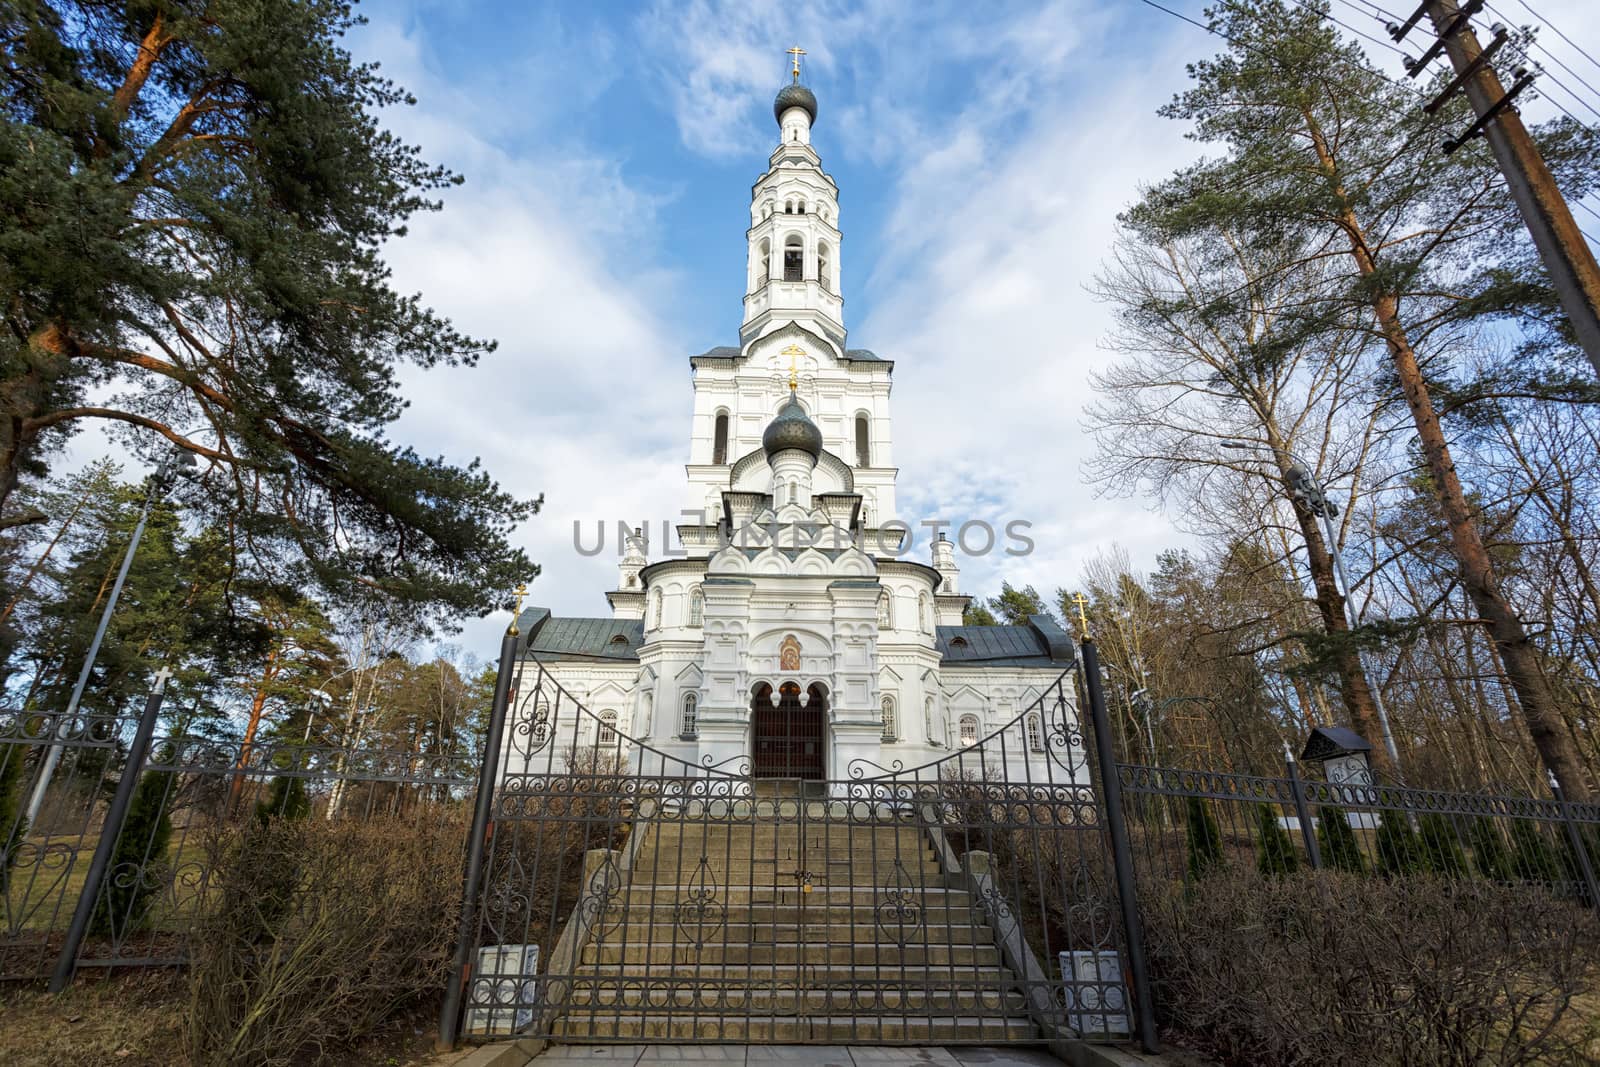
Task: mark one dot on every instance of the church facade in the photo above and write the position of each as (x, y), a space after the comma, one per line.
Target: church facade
(790, 635)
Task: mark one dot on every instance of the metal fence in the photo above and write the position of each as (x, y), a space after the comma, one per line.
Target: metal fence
(115, 865)
(990, 896)
(969, 900)
(1184, 822)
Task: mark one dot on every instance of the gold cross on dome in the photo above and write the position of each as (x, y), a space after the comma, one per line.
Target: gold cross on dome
(797, 52)
(516, 611)
(792, 352)
(1083, 618)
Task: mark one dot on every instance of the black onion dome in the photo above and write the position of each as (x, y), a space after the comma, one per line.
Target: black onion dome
(795, 95)
(792, 429)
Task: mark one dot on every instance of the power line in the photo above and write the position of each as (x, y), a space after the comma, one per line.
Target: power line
(1557, 31)
(1558, 62)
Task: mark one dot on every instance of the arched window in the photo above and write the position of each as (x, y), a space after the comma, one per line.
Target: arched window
(690, 708)
(607, 735)
(886, 610)
(925, 612)
(802, 206)
(766, 263)
(788, 207)
(719, 439)
(927, 718)
(863, 442)
(794, 491)
(969, 729)
(794, 259)
(697, 606)
(890, 728)
(1035, 733)
(655, 609)
(824, 262)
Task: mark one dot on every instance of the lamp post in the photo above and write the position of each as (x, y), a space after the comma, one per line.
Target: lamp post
(1302, 487)
(159, 483)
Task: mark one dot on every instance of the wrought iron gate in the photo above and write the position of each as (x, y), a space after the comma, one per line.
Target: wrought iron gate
(629, 895)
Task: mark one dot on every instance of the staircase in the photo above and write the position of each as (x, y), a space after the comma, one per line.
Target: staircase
(789, 921)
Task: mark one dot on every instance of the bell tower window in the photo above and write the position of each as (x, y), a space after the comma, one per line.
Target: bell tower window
(794, 259)
(719, 441)
(824, 262)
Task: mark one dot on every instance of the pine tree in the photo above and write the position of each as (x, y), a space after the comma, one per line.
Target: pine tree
(218, 282)
(1441, 851)
(1532, 859)
(1324, 159)
(1204, 838)
(1277, 856)
(1399, 848)
(1490, 857)
(1337, 842)
(286, 799)
(139, 864)
(13, 816)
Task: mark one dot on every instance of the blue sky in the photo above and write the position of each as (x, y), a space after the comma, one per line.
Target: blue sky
(982, 151)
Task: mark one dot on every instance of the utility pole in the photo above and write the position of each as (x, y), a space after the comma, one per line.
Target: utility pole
(1566, 255)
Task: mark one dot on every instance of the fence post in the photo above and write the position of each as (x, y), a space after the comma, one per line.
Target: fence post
(450, 1014)
(1575, 839)
(1121, 853)
(1301, 812)
(110, 830)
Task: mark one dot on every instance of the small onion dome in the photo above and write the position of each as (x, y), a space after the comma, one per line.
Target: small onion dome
(792, 429)
(795, 95)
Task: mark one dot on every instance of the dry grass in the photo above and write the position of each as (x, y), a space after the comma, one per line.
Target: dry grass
(133, 1020)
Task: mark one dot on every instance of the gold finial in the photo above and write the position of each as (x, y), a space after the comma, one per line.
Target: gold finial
(516, 612)
(793, 351)
(1083, 617)
(797, 52)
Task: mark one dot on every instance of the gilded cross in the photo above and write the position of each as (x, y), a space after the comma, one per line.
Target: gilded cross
(516, 612)
(1083, 617)
(797, 52)
(793, 352)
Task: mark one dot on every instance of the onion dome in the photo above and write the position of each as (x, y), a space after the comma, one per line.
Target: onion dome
(792, 429)
(795, 95)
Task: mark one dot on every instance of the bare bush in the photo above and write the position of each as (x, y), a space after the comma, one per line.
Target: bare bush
(1324, 967)
(317, 933)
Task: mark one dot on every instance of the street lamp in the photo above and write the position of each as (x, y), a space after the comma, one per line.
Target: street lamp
(171, 464)
(1302, 487)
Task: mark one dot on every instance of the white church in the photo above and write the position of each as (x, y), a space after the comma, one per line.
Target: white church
(788, 636)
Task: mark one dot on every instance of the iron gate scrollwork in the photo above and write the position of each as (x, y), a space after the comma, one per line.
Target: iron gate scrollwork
(678, 901)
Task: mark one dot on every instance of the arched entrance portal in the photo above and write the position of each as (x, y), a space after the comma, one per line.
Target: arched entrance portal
(789, 741)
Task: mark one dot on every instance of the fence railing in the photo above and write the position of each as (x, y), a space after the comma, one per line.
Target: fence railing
(117, 866)
(1184, 822)
(98, 880)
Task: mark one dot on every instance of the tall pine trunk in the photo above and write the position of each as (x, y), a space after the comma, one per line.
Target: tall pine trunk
(1535, 697)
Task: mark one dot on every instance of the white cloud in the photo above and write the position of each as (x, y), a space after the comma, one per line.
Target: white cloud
(551, 252)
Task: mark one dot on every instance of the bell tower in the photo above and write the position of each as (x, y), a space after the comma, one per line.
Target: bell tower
(794, 237)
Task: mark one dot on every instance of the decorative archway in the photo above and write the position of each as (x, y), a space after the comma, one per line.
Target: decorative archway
(789, 736)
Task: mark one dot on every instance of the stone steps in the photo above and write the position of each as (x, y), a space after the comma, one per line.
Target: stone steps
(735, 893)
(640, 910)
(760, 958)
(847, 994)
(895, 1028)
(864, 954)
(663, 924)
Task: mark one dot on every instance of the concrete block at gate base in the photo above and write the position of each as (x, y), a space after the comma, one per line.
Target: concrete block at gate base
(1096, 1002)
(503, 991)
